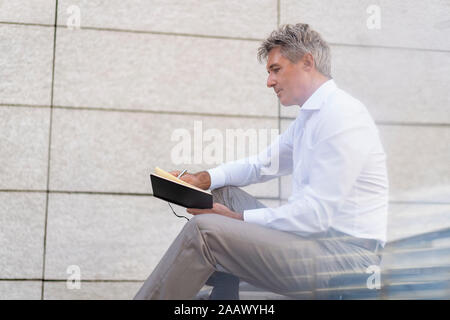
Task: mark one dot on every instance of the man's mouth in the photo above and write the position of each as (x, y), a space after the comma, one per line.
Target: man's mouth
(278, 91)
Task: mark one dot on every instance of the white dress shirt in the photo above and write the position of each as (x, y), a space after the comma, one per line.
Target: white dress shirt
(338, 166)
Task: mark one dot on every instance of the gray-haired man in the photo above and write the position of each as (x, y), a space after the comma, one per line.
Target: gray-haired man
(336, 217)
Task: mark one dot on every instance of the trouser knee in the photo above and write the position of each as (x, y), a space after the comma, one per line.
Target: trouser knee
(204, 221)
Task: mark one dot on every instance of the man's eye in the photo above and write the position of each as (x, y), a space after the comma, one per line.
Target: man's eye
(274, 70)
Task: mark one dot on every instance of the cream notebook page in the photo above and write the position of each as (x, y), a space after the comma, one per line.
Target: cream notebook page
(164, 174)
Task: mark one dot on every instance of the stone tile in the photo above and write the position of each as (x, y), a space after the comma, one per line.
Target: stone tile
(395, 85)
(105, 69)
(107, 237)
(22, 220)
(35, 11)
(412, 24)
(24, 148)
(26, 56)
(411, 219)
(417, 159)
(254, 18)
(116, 151)
(92, 291)
(20, 290)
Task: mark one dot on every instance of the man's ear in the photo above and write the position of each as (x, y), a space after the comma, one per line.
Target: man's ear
(308, 62)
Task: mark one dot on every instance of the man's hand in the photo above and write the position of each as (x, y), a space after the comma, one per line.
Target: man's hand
(218, 209)
(200, 179)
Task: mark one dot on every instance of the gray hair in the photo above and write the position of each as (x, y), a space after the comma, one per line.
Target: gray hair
(296, 40)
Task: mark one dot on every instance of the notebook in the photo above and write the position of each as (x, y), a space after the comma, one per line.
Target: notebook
(169, 188)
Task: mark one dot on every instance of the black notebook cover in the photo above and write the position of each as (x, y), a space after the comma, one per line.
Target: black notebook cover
(179, 194)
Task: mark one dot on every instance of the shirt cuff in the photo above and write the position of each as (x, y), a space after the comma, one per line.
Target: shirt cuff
(218, 178)
(257, 216)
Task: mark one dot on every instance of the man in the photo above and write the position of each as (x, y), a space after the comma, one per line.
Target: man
(334, 221)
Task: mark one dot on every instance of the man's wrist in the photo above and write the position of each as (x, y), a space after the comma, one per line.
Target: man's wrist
(204, 180)
(218, 177)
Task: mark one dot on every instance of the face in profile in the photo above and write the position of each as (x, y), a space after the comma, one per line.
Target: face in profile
(289, 80)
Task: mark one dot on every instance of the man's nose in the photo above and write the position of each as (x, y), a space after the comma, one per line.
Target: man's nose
(270, 81)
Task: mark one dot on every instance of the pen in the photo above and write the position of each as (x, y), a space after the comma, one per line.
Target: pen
(182, 172)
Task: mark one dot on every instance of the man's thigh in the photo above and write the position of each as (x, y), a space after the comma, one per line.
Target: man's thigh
(236, 199)
(279, 261)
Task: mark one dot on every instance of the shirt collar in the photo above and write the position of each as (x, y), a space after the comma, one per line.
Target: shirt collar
(315, 101)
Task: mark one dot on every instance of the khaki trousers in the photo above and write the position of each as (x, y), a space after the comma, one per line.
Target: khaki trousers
(277, 261)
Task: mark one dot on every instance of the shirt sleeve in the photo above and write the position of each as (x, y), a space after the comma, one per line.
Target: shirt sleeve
(336, 161)
(274, 161)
